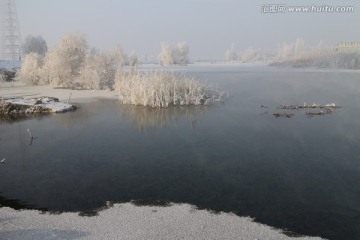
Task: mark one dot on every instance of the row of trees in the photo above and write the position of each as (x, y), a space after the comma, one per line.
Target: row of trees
(339, 60)
(283, 52)
(73, 64)
(170, 55)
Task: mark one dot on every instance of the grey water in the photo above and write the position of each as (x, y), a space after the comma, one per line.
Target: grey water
(299, 174)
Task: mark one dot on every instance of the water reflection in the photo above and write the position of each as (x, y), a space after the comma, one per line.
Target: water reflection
(141, 117)
(145, 117)
(13, 118)
(17, 204)
(298, 173)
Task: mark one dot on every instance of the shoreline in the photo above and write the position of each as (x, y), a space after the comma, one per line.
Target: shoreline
(123, 221)
(76, 96)
(127, 221)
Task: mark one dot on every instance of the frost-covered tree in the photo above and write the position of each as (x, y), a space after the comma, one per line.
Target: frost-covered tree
(132, 59)
(30, 71)
(182, 53)
(34, 44)
(119, 56)
(73, 64)
(292, 50)
(299, 47)
(98, 71)
(166, 56)
(90, 75)
(230, 54)
(285, 51)
(63, 63)
(251, 54)
(174, 55)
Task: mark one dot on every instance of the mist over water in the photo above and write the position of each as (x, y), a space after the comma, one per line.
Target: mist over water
(298, 174)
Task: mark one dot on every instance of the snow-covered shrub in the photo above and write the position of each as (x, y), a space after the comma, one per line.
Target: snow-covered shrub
(174, 55)
(163, 89)
(63, 63)
(98, 71)
(30, 71)
(91, 73)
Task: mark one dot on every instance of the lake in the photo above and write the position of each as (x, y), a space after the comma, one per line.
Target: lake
(301, 174)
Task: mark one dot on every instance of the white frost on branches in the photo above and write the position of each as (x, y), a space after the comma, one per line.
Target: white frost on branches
(174, 55)
(63, 63)
(291, 50)
(71, 64)
(230, 54)
(99, 69)
(182, 53)
(164, 89)
(30, 71)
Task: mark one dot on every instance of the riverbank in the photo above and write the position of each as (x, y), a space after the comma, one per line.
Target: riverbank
(14, 89)
(127, 221)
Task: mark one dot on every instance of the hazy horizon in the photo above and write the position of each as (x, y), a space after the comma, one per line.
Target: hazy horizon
(209, 27)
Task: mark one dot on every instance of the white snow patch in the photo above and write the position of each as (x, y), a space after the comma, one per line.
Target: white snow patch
(126, 221)
(77, 96)
(52, 104)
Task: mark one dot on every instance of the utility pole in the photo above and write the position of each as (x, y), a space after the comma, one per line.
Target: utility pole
(11, 37)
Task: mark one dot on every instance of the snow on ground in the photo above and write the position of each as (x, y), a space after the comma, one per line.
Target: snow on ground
(12, 90)
(126, 221)
(47, 104)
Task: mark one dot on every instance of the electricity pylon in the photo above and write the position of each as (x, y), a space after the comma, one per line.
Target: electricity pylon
(11, 36)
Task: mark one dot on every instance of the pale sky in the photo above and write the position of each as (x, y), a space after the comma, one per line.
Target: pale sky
(208, 26)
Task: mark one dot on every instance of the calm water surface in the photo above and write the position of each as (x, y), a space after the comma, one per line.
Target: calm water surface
(298, 174)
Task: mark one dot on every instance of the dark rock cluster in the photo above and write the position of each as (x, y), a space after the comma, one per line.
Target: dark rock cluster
(9, 74)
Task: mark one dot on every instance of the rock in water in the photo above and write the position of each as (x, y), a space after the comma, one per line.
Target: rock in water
(34, 105)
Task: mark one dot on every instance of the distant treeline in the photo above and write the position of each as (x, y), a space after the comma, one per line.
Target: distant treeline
(331, 60)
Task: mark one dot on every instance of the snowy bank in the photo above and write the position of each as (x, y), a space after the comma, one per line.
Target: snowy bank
(33, 105)
(15, 89)
(126, 221)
